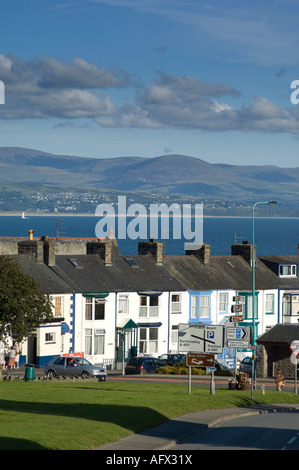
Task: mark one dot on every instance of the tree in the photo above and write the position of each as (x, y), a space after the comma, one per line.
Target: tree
(23, 306)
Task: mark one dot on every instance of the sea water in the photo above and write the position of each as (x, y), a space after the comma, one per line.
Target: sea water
(273, 236)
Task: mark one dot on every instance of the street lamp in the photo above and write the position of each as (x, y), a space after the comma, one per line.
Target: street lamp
(253, 290)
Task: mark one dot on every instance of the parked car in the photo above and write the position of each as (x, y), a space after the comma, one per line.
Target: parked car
(171, 359)
(141, 365)
(246, 365)
(73, 367)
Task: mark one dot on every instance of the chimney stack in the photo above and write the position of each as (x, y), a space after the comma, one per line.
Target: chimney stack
(49, 251)
(103, 248)
(203, 253)
(31, 247)
(154, 248)
(244, 250)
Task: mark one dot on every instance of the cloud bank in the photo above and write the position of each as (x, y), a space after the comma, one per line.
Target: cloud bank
(68, 91)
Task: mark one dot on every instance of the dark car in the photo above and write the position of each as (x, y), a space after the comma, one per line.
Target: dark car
(246, 365)
(143, 365)
(171, 359)
(73, 367)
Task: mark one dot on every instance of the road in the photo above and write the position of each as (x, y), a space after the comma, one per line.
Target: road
(273, 431)
(202, 381)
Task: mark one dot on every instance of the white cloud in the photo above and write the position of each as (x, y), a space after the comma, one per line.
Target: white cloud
(48, 88)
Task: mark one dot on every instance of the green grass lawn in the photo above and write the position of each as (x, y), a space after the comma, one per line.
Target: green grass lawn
(84, 415)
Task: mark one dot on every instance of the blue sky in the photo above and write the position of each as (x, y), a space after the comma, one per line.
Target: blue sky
(109, 78)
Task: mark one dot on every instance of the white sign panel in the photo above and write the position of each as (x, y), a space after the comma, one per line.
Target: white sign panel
(295, 348)
(201, 338)
(236, 337)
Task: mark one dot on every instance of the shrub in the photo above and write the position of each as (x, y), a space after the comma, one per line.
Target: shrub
(179, 369)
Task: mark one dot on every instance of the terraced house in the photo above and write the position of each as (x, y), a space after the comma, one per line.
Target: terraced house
(109, 306)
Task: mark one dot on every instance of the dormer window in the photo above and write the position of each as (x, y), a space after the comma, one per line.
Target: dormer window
(287, 270)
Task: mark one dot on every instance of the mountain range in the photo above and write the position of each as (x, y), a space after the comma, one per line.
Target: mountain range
(165, 175)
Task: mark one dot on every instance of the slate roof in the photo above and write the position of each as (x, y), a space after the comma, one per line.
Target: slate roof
(280, 333)
(48, 281)
(91, 274)
(273, 262)
(222, 272)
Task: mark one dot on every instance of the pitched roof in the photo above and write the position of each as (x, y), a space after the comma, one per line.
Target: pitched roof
(88, 273)
(222, 272)
(272, 262)
(48, 281)
(280, 333)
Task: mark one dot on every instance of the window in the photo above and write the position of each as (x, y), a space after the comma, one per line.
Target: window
(148, 340)
(291, 305)
(149, 306)
(287, 270)
(94, 342)
(50, 337)
(123, 304)
(175, 303)
(269, 303)
(174, 334)
(223, 302)
(194, 304)
(246, 300)
(204, 306)
(94, 309)
(57, 306)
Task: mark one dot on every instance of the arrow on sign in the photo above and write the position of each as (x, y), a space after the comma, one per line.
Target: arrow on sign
(198, 363)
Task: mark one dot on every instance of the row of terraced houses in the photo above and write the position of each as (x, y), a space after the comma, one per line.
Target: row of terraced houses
(109, 306)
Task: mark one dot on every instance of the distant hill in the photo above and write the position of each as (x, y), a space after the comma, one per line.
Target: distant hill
(166, 174)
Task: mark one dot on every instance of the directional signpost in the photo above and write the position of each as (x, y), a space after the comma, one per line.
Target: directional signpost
(201, 341)
(237, 337)
(200, 338)
(201, 360)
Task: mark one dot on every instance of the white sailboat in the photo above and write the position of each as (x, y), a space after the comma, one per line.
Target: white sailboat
(23, 216)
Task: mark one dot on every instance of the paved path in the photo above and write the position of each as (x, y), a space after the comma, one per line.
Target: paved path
(179, 430)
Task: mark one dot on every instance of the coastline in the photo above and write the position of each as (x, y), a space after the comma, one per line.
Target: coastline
(88, 214)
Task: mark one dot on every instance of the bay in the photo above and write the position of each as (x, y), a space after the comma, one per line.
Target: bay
(273, 236)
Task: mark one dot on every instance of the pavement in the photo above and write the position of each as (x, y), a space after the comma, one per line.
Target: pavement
(180, 430)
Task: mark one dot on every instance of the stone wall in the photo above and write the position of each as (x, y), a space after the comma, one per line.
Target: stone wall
(273, 356)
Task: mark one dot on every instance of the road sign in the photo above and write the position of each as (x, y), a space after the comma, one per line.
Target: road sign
(294, 346)
(236, 318)
(200, 360)
(237, 337)
(200, 338)
(237, 308)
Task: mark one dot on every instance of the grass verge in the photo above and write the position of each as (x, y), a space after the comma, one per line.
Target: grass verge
(84, 415)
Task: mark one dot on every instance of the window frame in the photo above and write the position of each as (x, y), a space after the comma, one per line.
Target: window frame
(146, 341)
(94, 309)
(292, 268)
(175, 303)
(271, 310)
(221, 310)
(94, 348)
(151, 311)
